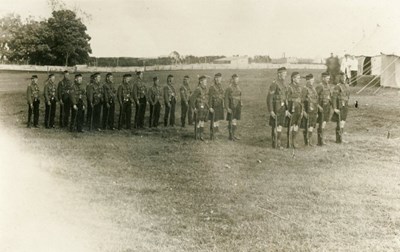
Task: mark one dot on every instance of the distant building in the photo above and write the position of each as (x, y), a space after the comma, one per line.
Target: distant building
(234, 60)
(290, 60)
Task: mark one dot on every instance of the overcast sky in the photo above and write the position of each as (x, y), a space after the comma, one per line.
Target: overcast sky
(303, 28)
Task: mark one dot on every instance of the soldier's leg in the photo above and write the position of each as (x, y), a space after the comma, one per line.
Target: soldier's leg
(36, 113)
(201, 130)
(30, 110)
(121, 114)
(234, 129)
(157, 112)
(295, 129)
(310, 133)
(111, 116)
(105, 116)
(73, 122)
(142, 112)
(81, 116)
(67, 111)
(53, 108)
(128, 113)
(47, 115)
(184, 110)
(190, 115)
(166, 115)
(151, 115)
(61, 122)
(172, 116)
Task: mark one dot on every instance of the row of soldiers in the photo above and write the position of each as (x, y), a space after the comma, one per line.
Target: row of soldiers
(99, 100)
(296, 107)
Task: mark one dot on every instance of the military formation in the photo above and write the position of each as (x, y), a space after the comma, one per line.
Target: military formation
(290, 105)
(99, 101)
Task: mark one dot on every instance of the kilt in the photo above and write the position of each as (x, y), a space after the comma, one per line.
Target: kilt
(343, 114)
(281, 117)
(325, 115)
(202, 114)
(236, 112)
(218, 113)
(296, 115)
(312, 120)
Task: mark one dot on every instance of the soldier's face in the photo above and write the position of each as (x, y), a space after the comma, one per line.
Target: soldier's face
(156, 82)
(186, 81)
(203, 83)
(310, 81)
(34, 80)
(218, 80)
(98, 78)
(66, 75)
(327, 79)
(79, 79)
(52, 78)
(110, 78)
(236, 80)
(282, 75)
(296, 79)
(170, 80)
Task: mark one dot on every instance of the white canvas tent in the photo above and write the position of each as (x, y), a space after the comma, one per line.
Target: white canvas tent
(382, 50)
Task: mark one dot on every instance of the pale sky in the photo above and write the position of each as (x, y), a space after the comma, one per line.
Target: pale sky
(302, 28)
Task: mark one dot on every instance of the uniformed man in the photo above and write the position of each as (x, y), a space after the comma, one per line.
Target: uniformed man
(124, 95)
(89, 114)
(96, 96)
(216, 101)
(199, 103)
(110, 97)
(78, 97)
(186, 109)
(340, 102)
(324, 100)
(63, 88)
(50, 98)
(155, 97)
(333, 67)
(170, 102)
(139, 96)
(33, 100)
(311, 107)
(295, 107)
(277, 106)
(233, 105)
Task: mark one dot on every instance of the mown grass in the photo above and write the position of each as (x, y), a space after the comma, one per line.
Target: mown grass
(164, 191)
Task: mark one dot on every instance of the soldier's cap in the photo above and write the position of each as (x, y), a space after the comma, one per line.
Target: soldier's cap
(202, 77)
(127, 75)
(155, 78)
(186, 77)
(138, 72)
(294, 74)
(170, 76)
(65, 71)
(309, 76)
(235, 76)
(78, 75)
(218, 75)
(341, 73)
(324, 74)
(51, 75)
(96, 74)
(282, 69)
(34, 76)
(108, 74)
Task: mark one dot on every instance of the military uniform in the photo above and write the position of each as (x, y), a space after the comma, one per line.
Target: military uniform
(63, 89)
(33, 100)
(324, 100)
(310, 100)
(78, 97)
(216, 101)
(139, 96)
(233, 101)
(340, 101)
(89, 109)
(155, 98)
(96, 96)
(199, 102)
(110, 98)
(186, 109)
(295, 106)
(125, 102)
(50, 98)
(170, 102)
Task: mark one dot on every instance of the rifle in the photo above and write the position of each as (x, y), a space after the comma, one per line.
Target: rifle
(195, 125)
(212, 126)
(276, 131)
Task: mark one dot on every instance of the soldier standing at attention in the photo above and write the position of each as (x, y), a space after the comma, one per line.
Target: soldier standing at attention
(139, 96)
(110, 93)
(155, 96)
(186, 109)
(96, 95)
(89, 108)
(124, 95)
(50, 98)
(33, 100)
(277, 106)
(64, 86)
(324, 101)
(78, 104)
(295, 107)
(170, 102)
(311, 107)
(216, 101)
(233, 105)
(199, 103)
(340, 102)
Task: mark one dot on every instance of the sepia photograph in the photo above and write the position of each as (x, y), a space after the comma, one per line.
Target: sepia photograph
(199, 125)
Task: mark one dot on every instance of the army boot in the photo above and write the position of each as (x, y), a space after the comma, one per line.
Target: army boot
(234, 128)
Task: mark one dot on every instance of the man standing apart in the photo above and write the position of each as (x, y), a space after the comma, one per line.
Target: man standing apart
(277, 106)
(186, 109)
(170, 102)
(233, 105)
(33, 100)
(50, 98)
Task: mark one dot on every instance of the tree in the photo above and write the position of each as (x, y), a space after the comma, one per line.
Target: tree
(70, 43)
(9, 24)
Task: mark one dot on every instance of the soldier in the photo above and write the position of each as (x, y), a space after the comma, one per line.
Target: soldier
(199, 103)
(89, 114)
(110, 93)
(33, 100)
(324, 101)
(139, 96)
(96, 96)
(64, 86)
(311, 107)
(233, 106)
(170, 102)
(50, 98)
(186, 109)
(155, 96)
(216, 101)
(78, 104)
(277, 106)
(124, 95)
(295, 107)
(340, 102)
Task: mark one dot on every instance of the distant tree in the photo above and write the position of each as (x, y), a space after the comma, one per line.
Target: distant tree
(9, 24)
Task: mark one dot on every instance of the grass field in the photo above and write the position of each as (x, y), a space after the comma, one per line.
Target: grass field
(163, 191)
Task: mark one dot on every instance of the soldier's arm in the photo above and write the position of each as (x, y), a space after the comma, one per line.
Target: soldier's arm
(29, 95)
(182, 93)
(166, 94)
(45, 93)
(59, 91)
(119, 94)
(72, 96)
(134, 93)
(89, 94)
(105, 94)
(193, 98)
(270, 96)
(227, 97)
